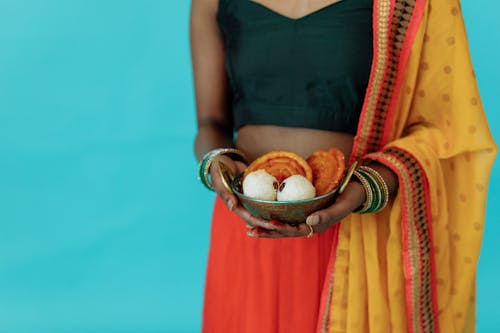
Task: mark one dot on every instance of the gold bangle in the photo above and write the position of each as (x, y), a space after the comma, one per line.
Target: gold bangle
(348, 176)
(377, 191)
(368, 191)
(208, 158)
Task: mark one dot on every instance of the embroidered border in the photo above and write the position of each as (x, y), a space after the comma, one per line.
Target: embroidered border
(417, 237)
(381, 20)
(326, 297)
(395, 18)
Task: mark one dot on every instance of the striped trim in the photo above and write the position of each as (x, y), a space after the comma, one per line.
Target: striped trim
(395, 23)
(419, 266)
(327, 294)
(381, 22)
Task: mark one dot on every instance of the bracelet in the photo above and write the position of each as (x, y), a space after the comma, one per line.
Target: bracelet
(381, 182)
(376, 189)
(208, 158)
(369, 193)
(377, 192)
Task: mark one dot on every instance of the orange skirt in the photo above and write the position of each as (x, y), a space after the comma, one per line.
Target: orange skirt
(262, 285)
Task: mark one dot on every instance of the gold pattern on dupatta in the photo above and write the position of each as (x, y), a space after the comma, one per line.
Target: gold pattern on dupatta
(393, 21)
(416, 229)
(381, 33)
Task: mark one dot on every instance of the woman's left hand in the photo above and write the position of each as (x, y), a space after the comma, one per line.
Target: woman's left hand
(320, 221)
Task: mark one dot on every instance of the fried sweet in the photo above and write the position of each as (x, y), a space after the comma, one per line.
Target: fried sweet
(281, 164)
(328, 168)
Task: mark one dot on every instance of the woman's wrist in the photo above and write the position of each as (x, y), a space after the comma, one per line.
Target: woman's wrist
(378, 182)
(389, 176)
(226, 159)
(205, 167)
(357, 193)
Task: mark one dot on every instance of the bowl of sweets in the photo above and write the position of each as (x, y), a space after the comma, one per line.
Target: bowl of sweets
(281, 185)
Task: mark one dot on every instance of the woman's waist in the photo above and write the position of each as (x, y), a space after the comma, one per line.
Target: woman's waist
(256, 140)
(342, 117)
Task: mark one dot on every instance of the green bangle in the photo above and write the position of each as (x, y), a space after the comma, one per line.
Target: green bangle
(201, 170)
(377, 192)
(206, 162)
(381, 182)
(368, 191)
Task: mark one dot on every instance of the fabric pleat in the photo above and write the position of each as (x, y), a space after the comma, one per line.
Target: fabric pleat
(411, 268)
(262, 285)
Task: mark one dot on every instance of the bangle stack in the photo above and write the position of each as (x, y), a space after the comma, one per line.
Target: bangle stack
(206, 162)
(377, 191)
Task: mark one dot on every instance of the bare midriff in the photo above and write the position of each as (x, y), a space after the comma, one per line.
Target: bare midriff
(256, 140)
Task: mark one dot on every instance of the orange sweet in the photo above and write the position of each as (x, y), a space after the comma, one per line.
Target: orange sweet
(328, 168)
(281, 164)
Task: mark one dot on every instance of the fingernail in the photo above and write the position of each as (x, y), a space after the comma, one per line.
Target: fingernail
(251, 234)
(312, 220)
(273, 225)
(249, 226)
(230, 205)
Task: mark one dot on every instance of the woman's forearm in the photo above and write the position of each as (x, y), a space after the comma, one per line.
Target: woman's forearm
(389, 177)
(211, 136)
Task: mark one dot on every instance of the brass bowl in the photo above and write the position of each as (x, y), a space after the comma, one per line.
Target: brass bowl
(293, 212)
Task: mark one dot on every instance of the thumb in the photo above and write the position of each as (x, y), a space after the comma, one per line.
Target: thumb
(329, 215)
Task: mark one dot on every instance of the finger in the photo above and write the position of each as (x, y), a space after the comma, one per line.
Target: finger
(290, 230)
(349, 200)
(228, 197)
(236, 167)
(240, 167)
(263, 233)
(324, 219)
(251, 220)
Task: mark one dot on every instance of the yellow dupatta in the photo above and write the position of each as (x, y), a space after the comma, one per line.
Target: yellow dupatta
(411, 268)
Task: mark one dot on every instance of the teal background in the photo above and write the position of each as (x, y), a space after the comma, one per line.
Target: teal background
(103, 225)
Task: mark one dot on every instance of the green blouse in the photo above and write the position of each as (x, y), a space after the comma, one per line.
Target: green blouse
(308, 72)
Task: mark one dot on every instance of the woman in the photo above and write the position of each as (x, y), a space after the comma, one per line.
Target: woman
(296, 75)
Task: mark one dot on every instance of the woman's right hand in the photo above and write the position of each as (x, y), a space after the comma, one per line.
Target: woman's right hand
(229, 198)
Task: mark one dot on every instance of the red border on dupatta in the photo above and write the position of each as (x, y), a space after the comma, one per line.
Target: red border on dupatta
(418, 257)
(415, 19)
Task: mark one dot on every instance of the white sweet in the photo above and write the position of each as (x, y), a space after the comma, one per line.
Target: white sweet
(296, 187)
(260, 185)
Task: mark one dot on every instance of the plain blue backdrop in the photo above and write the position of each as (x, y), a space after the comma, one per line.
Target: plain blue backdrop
(103, 224)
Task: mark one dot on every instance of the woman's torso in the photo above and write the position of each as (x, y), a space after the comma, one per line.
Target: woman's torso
(297, 72)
